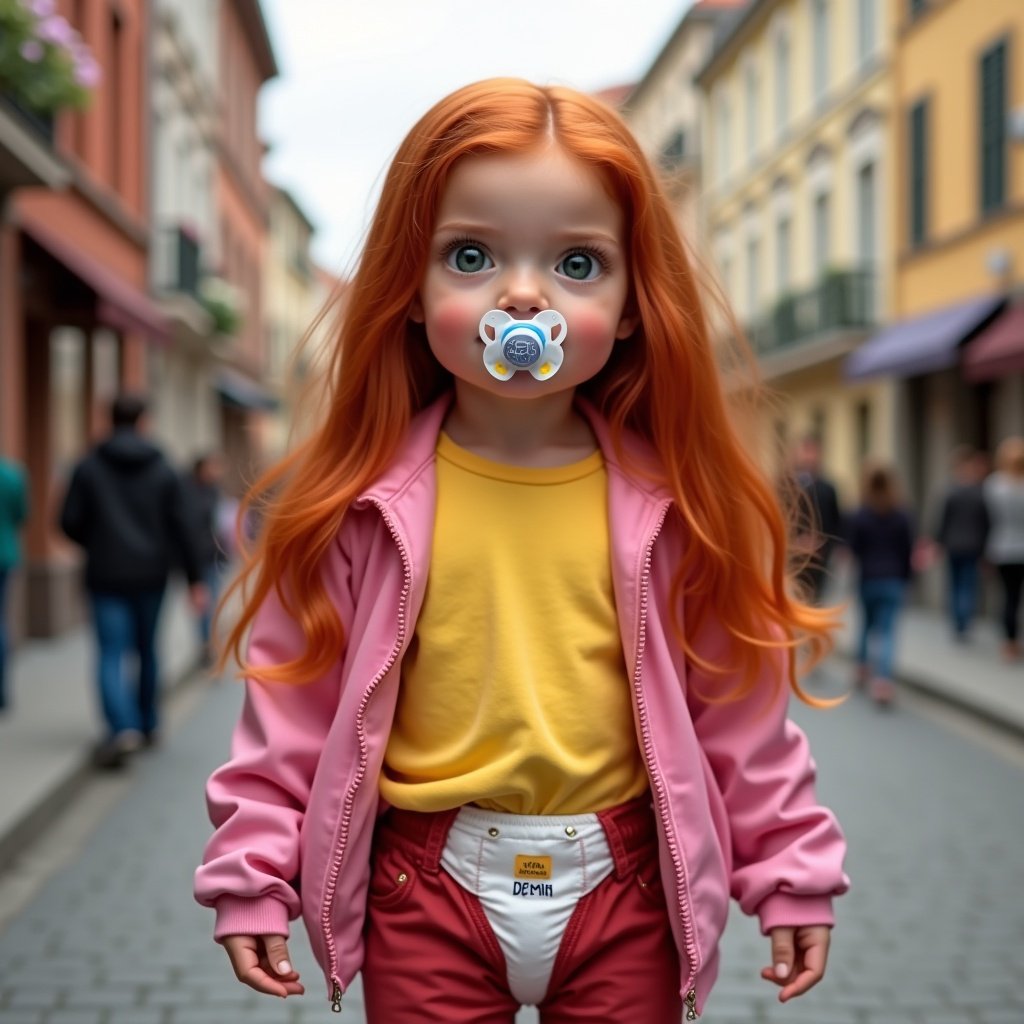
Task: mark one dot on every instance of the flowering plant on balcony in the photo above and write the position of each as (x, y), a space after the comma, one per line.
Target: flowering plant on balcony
(224, 304)
(44, 65)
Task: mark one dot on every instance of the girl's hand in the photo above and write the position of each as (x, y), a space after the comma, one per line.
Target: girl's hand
(262, 963)
(798, 958)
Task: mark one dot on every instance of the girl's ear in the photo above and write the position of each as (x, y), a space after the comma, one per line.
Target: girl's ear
(627, 324)
(416, 311)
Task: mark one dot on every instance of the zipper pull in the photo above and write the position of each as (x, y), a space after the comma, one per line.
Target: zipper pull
(691, 1005)
(336, 999)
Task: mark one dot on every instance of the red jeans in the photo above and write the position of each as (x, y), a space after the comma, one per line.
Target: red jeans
(432, 957)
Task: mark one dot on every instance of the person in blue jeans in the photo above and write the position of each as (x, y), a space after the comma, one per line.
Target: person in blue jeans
(13, 513)
(881, 539)
(125, 507)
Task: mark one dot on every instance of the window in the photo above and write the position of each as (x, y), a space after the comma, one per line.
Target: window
(782, 247)
(821, 232)
(917, 200)
(867, 215)
(782, 73)
(819, 16)
(753, 278)
(862, 414)
(724, 131)
(115, 94)
(751, 87)
(865, 30)
(992, 127)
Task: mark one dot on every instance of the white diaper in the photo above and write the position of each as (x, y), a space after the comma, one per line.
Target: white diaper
(528, 872)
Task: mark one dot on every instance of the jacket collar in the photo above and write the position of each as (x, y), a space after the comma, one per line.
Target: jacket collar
(417, 452)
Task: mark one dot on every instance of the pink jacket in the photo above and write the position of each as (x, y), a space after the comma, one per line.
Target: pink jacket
(295, 806)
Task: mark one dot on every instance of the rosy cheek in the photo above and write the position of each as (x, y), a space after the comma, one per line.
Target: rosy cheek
(591, 327)
(454, 318)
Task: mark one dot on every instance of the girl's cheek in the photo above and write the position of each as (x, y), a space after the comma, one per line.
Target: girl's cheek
(454, 318)
(591, 326)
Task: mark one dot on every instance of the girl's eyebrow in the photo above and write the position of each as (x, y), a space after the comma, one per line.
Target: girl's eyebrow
(568, 235)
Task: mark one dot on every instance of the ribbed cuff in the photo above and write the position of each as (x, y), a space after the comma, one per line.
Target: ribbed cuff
(242, 915)
(786, 910)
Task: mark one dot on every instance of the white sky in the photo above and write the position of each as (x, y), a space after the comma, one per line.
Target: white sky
(356, 74)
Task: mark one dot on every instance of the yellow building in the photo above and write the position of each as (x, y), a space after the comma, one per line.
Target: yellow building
(292, 299)
(798, 172)
(957, 346)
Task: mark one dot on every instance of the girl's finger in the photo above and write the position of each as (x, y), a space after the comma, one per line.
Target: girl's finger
(804, 981)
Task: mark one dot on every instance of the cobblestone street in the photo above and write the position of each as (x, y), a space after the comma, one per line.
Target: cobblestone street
(932, 932)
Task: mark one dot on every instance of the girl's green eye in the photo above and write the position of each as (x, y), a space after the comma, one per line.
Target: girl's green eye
(579, 266)
(469, 259)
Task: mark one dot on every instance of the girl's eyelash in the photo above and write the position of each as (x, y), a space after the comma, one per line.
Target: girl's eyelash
(593, 251)
(450, 246)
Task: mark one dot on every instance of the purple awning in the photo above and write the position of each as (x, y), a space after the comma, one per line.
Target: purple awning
(925, 344)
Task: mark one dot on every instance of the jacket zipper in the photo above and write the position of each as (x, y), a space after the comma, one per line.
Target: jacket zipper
(682, 893)
(346, 817)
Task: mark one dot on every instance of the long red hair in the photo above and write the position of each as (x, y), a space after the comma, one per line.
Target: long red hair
(663, 384)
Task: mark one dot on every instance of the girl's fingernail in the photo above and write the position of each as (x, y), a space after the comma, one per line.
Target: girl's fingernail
(781, 971)
(284, 967)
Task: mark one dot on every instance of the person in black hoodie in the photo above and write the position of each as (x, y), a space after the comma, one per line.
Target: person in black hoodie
(125, 507)
(881, 539)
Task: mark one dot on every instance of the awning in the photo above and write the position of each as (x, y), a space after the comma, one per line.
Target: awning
(999, 349)
(119, 304)
(238, 390)
(925, 344)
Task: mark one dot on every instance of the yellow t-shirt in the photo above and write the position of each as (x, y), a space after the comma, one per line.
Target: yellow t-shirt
(514, 691)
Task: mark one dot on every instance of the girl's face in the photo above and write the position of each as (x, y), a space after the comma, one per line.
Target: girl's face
(523, 233)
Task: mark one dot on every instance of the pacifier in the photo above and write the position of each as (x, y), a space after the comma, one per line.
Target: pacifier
(522, 344)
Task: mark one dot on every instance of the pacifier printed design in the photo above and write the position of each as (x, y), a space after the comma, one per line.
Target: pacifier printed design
(522, 344)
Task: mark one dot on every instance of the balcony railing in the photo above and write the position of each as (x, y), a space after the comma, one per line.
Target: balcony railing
(41, 124)
(841, 300)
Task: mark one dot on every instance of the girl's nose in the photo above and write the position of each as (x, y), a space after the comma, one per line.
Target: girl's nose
(522, 293)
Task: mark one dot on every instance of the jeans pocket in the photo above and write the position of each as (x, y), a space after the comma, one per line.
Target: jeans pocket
(391, 880)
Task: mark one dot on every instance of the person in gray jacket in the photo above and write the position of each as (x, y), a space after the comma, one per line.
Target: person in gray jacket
(1004, 497)
(962, 531)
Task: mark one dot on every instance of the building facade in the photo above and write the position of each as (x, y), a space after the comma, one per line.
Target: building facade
(798, 102)
(78, 320)
(292, 296)
(955, 350)
(664, 109)
(184, 243)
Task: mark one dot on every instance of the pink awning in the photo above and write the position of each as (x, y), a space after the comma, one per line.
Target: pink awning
(119, 304)
(997, 350)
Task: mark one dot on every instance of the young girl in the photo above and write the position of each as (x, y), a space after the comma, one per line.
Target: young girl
(520, 633)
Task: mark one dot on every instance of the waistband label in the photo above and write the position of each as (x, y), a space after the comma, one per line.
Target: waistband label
(532, 866)
(529, 889)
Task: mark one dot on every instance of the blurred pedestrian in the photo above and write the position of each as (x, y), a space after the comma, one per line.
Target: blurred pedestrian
(125, 506)
(881, 539)
(13, 513)
(819, 520)
(204, 499)
(1004, 497)
(961, 531)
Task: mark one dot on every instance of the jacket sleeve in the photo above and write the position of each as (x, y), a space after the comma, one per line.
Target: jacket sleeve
(257, 800)
(75, 512)
(788, 850)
